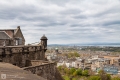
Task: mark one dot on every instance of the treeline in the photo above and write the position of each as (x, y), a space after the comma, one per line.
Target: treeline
(112, 49)
(79, 74)
(72, 71)
(72, 55)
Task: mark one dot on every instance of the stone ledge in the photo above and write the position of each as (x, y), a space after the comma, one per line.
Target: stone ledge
(15, 73)
(42, 64)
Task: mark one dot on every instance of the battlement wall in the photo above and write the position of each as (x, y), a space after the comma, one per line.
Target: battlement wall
(21, 55)
(47, 70)
(31, 58)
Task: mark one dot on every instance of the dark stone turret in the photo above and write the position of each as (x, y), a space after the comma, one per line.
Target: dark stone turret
(44, 37)
(44, 42)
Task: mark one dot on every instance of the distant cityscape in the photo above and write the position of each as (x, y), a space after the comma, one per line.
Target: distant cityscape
(59, 39)
(89, 44)
(86, 57)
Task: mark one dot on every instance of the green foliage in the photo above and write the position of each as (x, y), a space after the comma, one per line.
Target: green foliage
(116, 78)
(67, 71)
(72, 70)
(103, 75)
(66, 78)
(75, 73)
(59, 68)
(112, 49)
(76, 54)
(79, 74)
(71, 55)
(79, 71)
(94, 78)
(85, 73)
(74, 79)
(108, 76)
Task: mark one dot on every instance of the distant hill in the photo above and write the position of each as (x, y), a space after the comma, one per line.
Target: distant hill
(87, 44)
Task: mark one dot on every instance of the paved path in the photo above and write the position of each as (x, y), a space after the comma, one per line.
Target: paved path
(11, 72)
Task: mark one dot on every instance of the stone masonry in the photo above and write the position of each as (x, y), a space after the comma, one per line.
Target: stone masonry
(31, 58)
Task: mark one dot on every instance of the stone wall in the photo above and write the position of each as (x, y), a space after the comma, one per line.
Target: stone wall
(46, 70)
(21, 55)
(31, 58)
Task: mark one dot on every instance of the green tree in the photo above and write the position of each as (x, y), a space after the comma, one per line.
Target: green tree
(79, 71)
(85, 73)
(67, 71)
(66, 78)
(94, 78)
(72, 70)
(76, 54)
(103, 75)
(74, 79)
(108, 76)
(116, 78)
(59, 68)
(75, 73)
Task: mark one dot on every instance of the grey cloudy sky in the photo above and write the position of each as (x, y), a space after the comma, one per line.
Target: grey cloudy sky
(63, 21)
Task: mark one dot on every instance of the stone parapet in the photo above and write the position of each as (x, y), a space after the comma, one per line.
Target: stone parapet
(18, 49)
(47, 70)
(21, 55)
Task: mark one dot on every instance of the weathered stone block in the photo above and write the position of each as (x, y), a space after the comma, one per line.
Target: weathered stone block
(38, 48)
(25, 49)
(31, 48)
(7, 51)
(1, 51)
(16, 50)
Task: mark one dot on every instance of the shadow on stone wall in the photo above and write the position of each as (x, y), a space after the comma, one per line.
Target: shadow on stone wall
(45, 69)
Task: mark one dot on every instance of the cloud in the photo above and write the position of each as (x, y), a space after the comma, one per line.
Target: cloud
(112, 23)
(64, 21)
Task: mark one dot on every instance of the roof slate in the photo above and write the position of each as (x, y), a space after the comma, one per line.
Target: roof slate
(3, 35)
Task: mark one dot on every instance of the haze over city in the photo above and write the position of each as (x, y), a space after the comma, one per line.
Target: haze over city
(64, 21)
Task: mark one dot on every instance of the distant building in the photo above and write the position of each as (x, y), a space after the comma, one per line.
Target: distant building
(11, 37)
(111, 69)
(79, 63)
(109, 64)
(56, 50)
(51, 57)
(99, 63)
(114, 60)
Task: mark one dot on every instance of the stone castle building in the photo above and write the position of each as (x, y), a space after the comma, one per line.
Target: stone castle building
(27, 57)
(11, 37)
